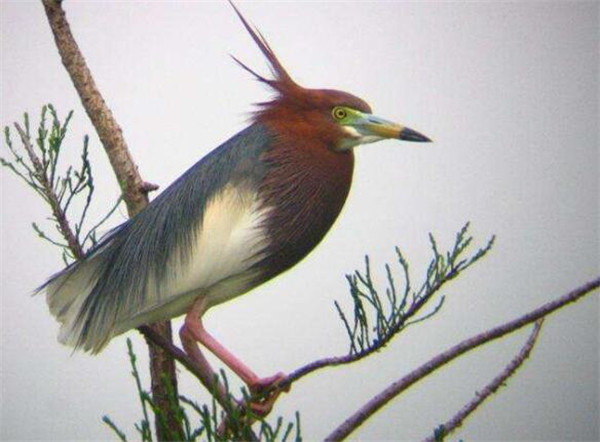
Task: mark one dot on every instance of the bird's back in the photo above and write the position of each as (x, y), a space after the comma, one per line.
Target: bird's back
(204, 228)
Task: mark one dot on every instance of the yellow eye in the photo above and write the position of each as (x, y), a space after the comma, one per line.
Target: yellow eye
(339, 113)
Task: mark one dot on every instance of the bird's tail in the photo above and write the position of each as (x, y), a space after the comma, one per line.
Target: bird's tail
(66, 293)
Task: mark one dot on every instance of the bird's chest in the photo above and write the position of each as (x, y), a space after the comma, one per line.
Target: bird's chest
(306, 191)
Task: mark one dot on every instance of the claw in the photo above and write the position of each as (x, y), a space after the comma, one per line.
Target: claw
(274, 385)
(271, 382)
(262, 409)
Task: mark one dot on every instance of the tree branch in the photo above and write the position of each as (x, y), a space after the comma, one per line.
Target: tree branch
(162, 367)
(50, 196)
(480, 396)
(378, 401)
(109, 131)
(210, 383)
(442, 269)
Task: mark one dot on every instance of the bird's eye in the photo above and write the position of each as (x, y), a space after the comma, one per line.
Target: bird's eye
(339, 113)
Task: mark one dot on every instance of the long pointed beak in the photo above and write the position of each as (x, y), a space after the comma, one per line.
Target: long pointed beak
(370, 125)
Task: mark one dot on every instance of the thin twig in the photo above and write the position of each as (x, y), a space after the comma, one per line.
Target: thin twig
(480, 396)
(91, 235)
(42, 178)
(422, 296)
(378, 401)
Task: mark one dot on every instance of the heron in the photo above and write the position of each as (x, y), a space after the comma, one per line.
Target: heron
(248, 211)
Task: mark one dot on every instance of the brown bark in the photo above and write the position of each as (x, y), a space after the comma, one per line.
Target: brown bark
(106, 126)
(162, 366)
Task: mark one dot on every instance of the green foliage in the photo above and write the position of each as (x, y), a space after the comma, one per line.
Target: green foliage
(208, 419)
(36, 162)
(376, 319)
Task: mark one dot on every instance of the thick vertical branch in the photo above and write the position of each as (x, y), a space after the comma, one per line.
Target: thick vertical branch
(106, 126)
(162, 366)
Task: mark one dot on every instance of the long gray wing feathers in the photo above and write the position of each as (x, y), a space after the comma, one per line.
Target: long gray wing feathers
(128, 271)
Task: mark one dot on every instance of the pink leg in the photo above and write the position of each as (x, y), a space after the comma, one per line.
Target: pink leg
(194, 327)
(209, 377)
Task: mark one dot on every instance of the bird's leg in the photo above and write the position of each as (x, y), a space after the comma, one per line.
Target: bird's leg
(194, 328)
(209, 377)
(256, 384)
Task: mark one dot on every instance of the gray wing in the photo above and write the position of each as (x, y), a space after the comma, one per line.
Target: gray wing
(128, 271)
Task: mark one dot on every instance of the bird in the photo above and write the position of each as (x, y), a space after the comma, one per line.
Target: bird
(248, 211)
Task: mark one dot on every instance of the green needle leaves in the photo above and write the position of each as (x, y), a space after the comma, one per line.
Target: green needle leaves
(61, 188)
(378, 316)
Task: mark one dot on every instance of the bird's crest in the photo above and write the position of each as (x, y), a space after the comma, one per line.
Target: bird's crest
(281, 82)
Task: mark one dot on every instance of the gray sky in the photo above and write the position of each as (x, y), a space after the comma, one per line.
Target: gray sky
(509, 94)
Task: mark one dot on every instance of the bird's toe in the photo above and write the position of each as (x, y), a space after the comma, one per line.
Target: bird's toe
(278, 382)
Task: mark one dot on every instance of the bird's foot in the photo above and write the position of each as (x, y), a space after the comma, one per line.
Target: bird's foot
(275, 382)
(265, 392)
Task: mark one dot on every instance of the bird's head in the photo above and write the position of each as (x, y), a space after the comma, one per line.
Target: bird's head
(340, 119)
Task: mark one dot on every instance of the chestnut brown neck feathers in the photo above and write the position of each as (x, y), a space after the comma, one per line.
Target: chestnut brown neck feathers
(306, 184)
(308, 178)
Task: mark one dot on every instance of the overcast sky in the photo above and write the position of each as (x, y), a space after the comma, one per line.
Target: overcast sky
(507, 91)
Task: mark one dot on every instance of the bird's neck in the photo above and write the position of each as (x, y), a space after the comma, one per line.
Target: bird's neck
(305, 186)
